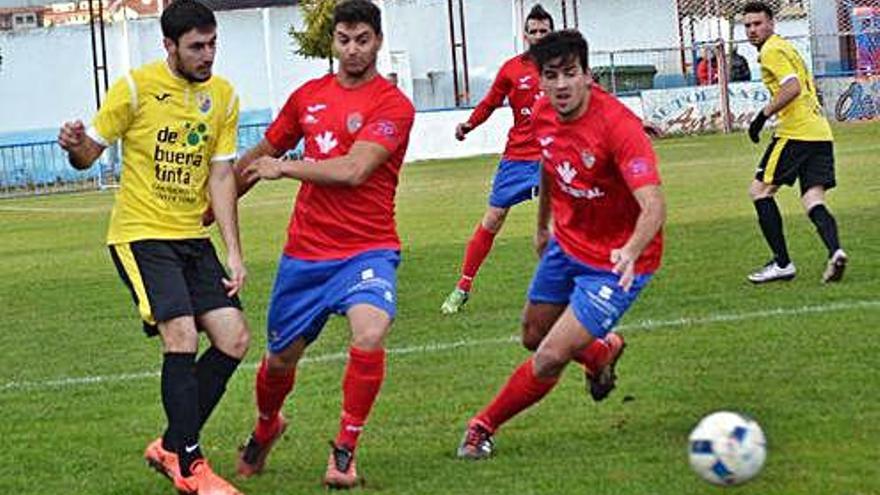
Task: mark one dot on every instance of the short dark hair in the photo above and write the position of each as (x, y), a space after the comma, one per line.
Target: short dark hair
(182, 16)
(568, 44)
(539, 14)
(757, 8)
(354, 11)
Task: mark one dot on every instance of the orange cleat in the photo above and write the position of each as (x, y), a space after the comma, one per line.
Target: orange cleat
(163, 461)
(341, 469)
(204, 481)
(252, 457)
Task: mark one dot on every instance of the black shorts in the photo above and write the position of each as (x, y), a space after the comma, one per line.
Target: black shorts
(172, 278)
(810, 162)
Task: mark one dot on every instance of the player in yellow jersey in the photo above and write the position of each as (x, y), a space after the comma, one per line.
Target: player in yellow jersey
(178, 126)
(802, 149)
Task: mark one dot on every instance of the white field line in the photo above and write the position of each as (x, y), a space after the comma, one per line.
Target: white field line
(431, 348)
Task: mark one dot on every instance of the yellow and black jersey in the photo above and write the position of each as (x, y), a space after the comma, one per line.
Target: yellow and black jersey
(801, 119)
(171, 131)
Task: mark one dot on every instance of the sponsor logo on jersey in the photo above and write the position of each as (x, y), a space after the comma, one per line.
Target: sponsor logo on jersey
(203, 102)
(353, 122)
(326, 142)
(588, 159)
(566, 172)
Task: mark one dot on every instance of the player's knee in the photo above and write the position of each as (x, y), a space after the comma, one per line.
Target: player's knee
(494, 219)
(283, 362)
(531, 337)
(368, 339)
(550, 362)
(241, 341)
(759, 190)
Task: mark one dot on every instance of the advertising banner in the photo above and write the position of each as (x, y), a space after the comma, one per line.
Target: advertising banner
(698, 109)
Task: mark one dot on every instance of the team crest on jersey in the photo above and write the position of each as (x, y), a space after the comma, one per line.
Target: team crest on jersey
(203, 102)
(588, 158)
(354, 121)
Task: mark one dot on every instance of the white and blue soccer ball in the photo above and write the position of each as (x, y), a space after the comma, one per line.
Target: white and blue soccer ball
(727, 448)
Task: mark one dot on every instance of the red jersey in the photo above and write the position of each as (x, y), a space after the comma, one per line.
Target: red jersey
(334, 222)
(518, 80)
(592, 165)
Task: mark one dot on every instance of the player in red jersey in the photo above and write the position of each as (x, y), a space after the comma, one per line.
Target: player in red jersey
(516, 179)
(342, 249)
(600, 184)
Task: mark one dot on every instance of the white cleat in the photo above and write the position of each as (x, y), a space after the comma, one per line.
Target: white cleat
(836, 266)
(772, 272)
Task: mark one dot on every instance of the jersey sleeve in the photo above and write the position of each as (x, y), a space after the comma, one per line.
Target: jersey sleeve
(775, 61)
(227, 139)
(633, 154)
(501, 87)
(117, 112)
(389, 125)
(285, 132)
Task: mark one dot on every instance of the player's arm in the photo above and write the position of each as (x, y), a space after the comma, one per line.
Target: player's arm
(789, 89)
(224, 205)
(542, 233)
(261, 149)
(352, 169)
(501, 86)
(649, 222)
(82, 151)
(113, 119)
(788, 92)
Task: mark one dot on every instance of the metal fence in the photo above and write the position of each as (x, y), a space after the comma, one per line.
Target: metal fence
(41, 167)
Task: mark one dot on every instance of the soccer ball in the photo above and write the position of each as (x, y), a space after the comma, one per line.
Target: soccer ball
(727, 448)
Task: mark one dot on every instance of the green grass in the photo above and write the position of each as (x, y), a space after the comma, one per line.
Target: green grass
(808, 373)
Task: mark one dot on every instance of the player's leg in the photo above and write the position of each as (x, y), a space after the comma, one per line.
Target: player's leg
(298, 310)
(531, 381)
(776, 168)
(599, 302)
(365, 291)
(549, 294)
(475, 253)
(514, 182)
(817, 176)
(154, 273)
(274, 382)
(221, 318)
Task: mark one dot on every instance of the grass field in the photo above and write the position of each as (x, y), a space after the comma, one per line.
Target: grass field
(79, 387)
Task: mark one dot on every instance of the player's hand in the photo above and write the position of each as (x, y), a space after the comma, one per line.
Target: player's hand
(542, 237)
(71, 135)
(756, 126)
(208, 217)
(625, 266)
(462, 129)
(237, 275)
(264, 167)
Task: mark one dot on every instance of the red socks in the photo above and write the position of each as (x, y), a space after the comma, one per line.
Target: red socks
(360, 386)
(595, 355)
(271, 390)
(521, 391)
(477, 250)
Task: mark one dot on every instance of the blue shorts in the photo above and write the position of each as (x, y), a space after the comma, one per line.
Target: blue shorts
(307, 292)
(514, 182)
(595, 297)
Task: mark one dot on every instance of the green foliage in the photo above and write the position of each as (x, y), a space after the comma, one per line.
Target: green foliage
(316, 41)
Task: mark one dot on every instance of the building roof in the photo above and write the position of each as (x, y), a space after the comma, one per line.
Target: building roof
(246, 4)
(8, 4)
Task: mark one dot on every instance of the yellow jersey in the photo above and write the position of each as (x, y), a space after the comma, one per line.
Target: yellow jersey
(171, 131)
(802, 118)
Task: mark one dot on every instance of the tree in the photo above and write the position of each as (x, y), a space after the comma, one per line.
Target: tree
(316, 41)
